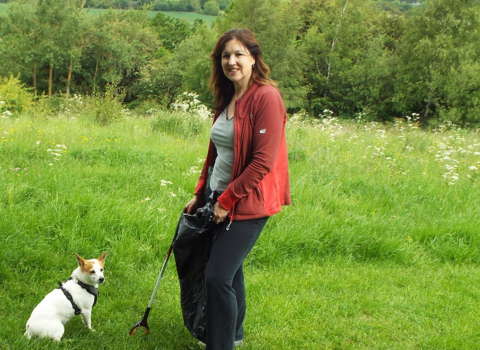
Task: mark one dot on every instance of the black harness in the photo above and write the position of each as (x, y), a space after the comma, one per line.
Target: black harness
(90, 289)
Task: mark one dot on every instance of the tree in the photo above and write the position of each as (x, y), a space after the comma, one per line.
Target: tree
(211, 8)
(440, 43)
(20, 34)
(170, 31)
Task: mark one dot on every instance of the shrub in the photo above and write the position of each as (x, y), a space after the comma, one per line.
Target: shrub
(14, 97)
(211, 8)
(107, 107)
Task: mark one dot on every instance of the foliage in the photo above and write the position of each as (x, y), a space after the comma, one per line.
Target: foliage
(14, 98)
(211, 8)
(170, 31)
(349, 56)
(432, 56)
(107, 107)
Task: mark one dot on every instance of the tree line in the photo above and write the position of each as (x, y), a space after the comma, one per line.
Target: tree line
(352, 57)
(209, 7)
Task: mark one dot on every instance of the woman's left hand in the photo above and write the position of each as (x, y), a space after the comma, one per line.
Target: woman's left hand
(219, 213)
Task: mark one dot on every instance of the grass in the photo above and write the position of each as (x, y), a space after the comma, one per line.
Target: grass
(188, 16)
(379, 249)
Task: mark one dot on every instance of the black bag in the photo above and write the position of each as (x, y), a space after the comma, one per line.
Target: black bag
(195, 235)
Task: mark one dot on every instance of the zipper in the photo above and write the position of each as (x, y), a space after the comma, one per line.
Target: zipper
(231, 220)
(234, 163)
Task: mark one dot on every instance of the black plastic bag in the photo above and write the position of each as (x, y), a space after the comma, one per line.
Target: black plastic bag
(195, 235)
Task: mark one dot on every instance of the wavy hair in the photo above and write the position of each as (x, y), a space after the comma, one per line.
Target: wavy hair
(222, 88)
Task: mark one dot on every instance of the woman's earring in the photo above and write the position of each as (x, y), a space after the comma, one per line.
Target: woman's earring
(253, 66)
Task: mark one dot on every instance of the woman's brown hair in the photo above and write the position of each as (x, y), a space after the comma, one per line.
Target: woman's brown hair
(222, 87)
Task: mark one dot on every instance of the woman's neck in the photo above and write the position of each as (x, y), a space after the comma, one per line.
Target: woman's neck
(240, 90)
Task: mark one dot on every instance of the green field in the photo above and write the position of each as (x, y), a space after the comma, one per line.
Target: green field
(380, 248)
(188, 16)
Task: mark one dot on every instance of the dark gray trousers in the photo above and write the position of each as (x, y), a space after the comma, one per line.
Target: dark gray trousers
(224, 282)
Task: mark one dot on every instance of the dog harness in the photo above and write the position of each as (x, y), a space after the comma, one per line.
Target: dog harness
(90, 289)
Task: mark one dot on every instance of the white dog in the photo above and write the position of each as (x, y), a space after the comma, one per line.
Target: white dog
(76, 296)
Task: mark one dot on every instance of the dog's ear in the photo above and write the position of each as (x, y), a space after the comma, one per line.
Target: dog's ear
(102, 257)
(81, 261)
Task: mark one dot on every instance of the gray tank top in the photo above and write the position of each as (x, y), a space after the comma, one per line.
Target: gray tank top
(222, 137)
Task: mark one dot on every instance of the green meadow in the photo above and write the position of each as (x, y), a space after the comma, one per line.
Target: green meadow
(188, 16)
(380, 248)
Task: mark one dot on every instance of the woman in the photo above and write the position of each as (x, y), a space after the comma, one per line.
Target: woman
(247, 167)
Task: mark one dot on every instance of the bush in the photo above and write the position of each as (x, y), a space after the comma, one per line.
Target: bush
(14, 97)
(211, 8)
(107, 107)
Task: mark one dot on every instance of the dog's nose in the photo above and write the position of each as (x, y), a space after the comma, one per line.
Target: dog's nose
(101, 279)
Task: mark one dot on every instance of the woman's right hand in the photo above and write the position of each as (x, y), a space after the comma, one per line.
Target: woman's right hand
(194, 204)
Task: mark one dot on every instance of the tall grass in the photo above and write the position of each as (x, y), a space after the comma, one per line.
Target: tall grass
(379, 249)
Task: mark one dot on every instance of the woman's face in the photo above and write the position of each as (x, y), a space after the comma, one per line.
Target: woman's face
(237, 63)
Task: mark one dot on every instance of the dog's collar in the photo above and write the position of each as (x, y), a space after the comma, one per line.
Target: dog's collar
(89, 288)
(70, 299)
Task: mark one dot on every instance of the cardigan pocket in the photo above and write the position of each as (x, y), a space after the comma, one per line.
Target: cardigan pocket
(268, 188)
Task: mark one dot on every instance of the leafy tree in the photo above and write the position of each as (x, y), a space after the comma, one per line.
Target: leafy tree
(334, 38)
(211, 8)
(171, 31)
(20, 35)
(121, 44)
(440, 43)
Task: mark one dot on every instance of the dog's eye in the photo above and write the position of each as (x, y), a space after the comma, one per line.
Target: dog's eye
(101, 270)
(92, 272)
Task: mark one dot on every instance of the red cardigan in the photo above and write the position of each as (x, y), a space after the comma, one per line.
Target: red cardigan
(260, 182)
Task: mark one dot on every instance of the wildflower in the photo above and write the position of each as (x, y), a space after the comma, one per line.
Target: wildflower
(473, 167)
(173, 194)
(165, 183)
